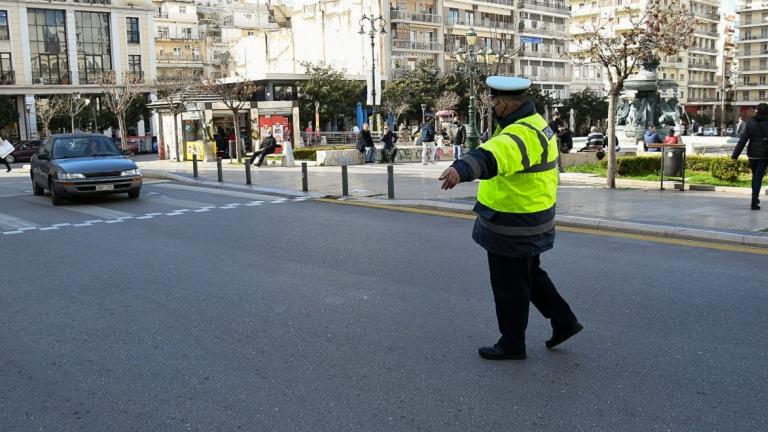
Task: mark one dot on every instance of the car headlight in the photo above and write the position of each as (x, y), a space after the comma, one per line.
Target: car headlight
(131, 172)
(71, 176)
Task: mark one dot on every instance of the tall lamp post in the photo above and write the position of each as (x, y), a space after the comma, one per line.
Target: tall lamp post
(470, 59)
(373, 32)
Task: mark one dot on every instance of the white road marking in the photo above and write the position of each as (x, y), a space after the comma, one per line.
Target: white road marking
(13, 223)
(212, 191)
(97, 211)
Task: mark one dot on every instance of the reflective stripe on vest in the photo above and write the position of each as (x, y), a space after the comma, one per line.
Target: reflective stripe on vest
(526, 159)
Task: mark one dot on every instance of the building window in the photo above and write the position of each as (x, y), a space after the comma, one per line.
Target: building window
(761, 95)
(94, 55)
(182, 9)
(6, 69)
(745, 95)
(469, 18)
(132, 25)
(453, 16)
(4, 32)
(284, 93)
(48, 46)
(134, 65)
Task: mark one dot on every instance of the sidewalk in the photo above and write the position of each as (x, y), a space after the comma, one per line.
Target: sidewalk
(583, 201)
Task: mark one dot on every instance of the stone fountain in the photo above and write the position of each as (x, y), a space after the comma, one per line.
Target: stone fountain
(645, 103)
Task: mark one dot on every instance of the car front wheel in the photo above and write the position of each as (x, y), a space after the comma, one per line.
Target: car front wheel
(56, 199)
(134, 194)
(36, 189)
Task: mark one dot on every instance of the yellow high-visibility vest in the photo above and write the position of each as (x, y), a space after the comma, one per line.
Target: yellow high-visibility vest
(526, 154)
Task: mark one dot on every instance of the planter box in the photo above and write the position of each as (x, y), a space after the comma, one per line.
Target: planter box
(354, 157)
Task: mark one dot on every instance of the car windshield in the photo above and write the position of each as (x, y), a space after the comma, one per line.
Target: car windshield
(77, 147)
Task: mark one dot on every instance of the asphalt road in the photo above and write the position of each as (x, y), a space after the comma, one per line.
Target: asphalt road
(192, 309)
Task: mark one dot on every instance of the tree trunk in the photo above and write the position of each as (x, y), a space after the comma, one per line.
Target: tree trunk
(162, 152)
(123, 132)
(613, 98)
(176, 135)
(237, 136)
(72, 122)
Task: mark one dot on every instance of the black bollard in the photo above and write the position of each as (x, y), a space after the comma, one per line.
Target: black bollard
(218, 168)
(304, 180)
(344, 181)
(247, 173)
(194, 164)
(390, 182)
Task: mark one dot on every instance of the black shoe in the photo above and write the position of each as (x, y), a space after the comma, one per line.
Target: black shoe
(563, 334)
(753, 207)
(497, 353)
(9, 170)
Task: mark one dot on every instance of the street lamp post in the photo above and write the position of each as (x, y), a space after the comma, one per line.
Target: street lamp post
(373, 32)
(423, 112)
(471, 58)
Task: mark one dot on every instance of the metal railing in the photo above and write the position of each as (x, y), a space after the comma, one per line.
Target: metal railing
(482, 24)
(545, 28)
(509, 3)
(417, 45)
(755, 37)
(702, 65)
(543, 5)
(341, 139)
(543, 76)
(170, 58)
(401, 15)
(7, 77)
(703, 82)
(162, 15)
(706, 33)
(543, 54)
(698, 48)
(708, 15)
(702, 99)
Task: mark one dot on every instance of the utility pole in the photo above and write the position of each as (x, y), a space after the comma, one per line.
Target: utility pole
(373, 33)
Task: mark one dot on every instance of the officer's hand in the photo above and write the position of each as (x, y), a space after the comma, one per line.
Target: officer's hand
(450, 178)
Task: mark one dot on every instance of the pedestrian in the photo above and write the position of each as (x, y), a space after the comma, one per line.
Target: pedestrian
(5, 162)
(756, 134)
(671, 139)
(428, 140)
(565, 137)
(459, 139)
(651, 138)
(516, 216)
(388, 140)
(268, 146)
(595, 140)
(365, 141)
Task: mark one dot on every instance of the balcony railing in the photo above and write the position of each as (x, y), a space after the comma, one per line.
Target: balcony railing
(703, 82)
(509, 3)
(707, 33)
(708, 66)
(543, 28)
(754, 37)
(698, 48)
(753, 84)
(8, 78)
(418, 17)
(170, 58)
(545, 6)
(418, 45)
(482, 24)
(702, 99)
(549, 54)
(161, 15)
(707, 15)
(547, 76)
(176, 36)
(39, 79)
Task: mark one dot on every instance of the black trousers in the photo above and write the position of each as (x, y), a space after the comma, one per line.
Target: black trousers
(758, 166)
(5, 162)
(263, 153)
(517, 282)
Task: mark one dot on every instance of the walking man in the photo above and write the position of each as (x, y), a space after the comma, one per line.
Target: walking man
(756, 133)
(459, 139)
(516, 216)
(268, 146)
(366, 142)
(428, 140)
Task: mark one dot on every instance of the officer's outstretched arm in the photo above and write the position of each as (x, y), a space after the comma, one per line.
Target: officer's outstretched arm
(477, 164)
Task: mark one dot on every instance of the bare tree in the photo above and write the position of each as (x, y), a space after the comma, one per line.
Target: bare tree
(234, 95)
(483, 104)
(118, 97)
(47, 109)
(176, 94)
(626, 39)
(447, 101)
(73, 105)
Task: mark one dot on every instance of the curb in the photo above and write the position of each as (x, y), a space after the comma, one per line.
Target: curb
(662, 231)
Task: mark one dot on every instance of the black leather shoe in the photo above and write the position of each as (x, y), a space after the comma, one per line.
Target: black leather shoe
(497, 353)
(754, 207)
(561, 335)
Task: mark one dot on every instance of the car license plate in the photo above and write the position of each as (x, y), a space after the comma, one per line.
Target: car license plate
(105, 187)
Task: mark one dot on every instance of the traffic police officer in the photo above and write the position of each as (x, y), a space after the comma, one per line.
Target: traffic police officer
(516, 216)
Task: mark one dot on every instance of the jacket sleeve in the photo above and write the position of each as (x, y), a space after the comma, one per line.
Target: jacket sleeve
(742, 142)
(477, 164)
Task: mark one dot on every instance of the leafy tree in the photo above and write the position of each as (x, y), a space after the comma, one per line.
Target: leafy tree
(421, 85)
(336, 95)
(542, 99)
(588, 107)
(8, 114)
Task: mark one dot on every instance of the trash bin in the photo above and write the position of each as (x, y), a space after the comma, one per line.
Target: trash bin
(673, 161)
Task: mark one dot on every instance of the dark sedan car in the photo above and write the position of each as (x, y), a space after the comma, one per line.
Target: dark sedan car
(23, 151)
(82, 164)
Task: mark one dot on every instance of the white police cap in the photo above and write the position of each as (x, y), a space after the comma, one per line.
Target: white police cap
(506, 85)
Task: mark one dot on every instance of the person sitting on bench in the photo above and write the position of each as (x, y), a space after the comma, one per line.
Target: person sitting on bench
(268, 146)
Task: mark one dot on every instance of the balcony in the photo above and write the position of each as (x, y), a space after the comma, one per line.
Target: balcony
(706, 33)
(542, 54)
(547, 76)
(510, 3)
(545, 6)
(702, 99)
(417, 45)
(176, 36)
(707, 66)
(702, 83)
(7, 78)
(707, 15)
(753, 84)
(543, 28)
(480, 24)
(161, 15)
(50, 78)
(178, 59)
(415, 17)
(702, 49)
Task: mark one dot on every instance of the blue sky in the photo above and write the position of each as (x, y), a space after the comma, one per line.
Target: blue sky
(729, 6)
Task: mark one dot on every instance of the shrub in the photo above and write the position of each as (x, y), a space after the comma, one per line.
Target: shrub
(635, 165)
(728, 170)
(305, 154)
(699, 163)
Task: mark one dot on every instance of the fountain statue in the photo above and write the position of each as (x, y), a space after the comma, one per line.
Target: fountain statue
(643, 106)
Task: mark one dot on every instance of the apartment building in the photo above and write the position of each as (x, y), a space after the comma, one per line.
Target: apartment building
(49, 48)
(178, 45)
(752, 54)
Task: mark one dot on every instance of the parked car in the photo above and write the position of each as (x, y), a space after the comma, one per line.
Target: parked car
(23, 151)
(710, 131)
(82, 164)
(729, 131)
